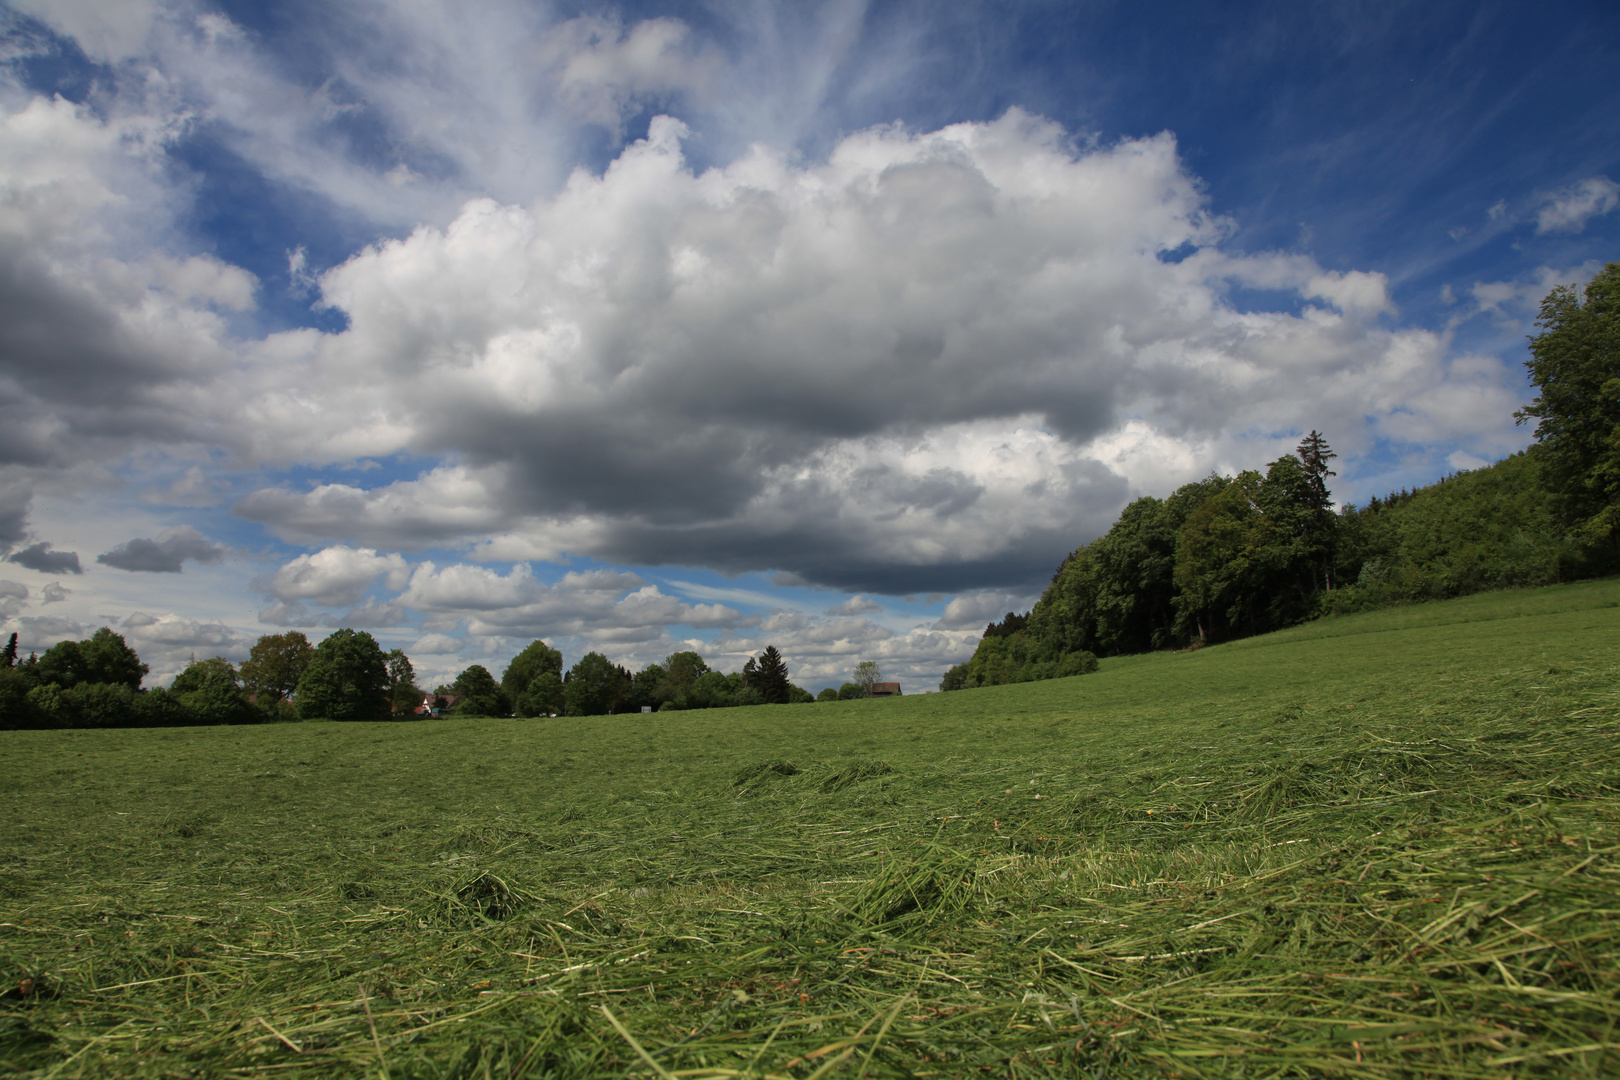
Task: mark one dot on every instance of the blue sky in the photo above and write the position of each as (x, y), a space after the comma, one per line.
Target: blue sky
(649, 327)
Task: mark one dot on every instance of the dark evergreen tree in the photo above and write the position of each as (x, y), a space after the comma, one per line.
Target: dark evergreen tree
(771, 677)
(10, 653)
(1010, 624)
(1314, 455)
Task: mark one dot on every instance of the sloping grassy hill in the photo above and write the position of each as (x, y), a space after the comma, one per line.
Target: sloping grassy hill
(1382, 845)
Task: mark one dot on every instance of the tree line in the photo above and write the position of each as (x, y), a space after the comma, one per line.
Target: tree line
(535, 684)
(1230, 556)
(347, 676)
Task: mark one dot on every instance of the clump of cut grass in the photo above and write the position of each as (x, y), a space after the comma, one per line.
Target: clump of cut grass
(941, 883)
(854, 773)
(488, 897)
(760, 771)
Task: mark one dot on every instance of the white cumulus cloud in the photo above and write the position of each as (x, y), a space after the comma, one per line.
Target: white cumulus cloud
(337, 575)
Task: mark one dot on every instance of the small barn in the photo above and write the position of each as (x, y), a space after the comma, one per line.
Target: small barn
(885, 689)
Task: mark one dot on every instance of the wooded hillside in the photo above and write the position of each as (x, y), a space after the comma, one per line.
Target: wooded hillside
(1231, 556)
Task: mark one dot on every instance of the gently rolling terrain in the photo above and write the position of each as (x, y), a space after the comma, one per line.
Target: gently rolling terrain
(1381, 845)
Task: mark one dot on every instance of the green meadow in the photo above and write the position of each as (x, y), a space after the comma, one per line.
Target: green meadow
(1374, 846)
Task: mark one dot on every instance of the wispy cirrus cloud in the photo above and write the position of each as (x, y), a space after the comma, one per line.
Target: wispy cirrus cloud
(1570, 209)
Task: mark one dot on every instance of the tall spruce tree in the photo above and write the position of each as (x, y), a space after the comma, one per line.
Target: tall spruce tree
(771, 676)
(1321, 545)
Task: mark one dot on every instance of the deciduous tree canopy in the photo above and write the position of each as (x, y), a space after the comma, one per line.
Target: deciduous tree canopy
(1575, 366)
(532, 682)
(595, 685)
(275, 664)
(103, 658)
(347, 679)
(478, 694)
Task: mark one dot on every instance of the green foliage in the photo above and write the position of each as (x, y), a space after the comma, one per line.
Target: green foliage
(1118, 594)
(62, 696)
(828, 694)
(1575, 366)
(681, 673)
(536, 659)
(347, 679)
(101, 704)
(405, 696)
(868, 674)
(83, 705)
(1492, 528)
(1253, 556)
(595, 686)
(1388, 837)
(209, 693)
(478, 694)
(77, 684)
(157, 707)
(50, 704)
(275, 665)
(16, 711)
(684, 681)
(1015, 658)
(645, 687)
(542, 697)
(102, 658)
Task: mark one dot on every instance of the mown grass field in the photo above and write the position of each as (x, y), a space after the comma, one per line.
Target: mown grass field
(1384, 845)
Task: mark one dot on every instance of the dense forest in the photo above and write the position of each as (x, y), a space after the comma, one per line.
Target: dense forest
(1230, 556)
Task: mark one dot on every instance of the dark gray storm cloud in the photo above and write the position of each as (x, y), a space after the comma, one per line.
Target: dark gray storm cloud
(14, 501)
(72, 376)
(40, 557)
(165, 554)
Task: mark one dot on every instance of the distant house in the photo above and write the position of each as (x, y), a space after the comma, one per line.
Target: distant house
(885, 689)
(436, 704)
